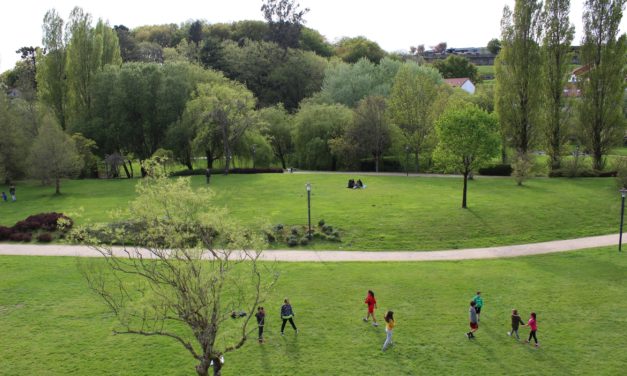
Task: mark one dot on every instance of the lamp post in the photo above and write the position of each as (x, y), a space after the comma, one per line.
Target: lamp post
(308, 186)
(407, 160)
(623, 193)
(254, 152)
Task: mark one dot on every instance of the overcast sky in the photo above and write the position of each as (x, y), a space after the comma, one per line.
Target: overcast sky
(394, 24)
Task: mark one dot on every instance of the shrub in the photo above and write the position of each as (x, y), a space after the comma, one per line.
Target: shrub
(21, 237)
(42, 221)
(496, 170)
(292, 241)
(294, 230)
(327, 229)
(321, 223)
(45, 237)
(522, 168)
(279, 228)
(304, 240)
(5, 232)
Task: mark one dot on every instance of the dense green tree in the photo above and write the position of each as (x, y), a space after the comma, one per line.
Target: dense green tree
(484, 97)
(556, 58)
(85, 148)
(51, 76)
(88, 51)
(468, 138)
(128, 44)
(455, 66)
(274, 75)
(413, 107)
(315, 126)
(13, 143)
(249, 29)
(351, 50)
(494, 46)
(349, 83)
(285, 20)
(312, 40)
(277, 127)
(53, 155)
(195, 34)
(604, 52)
(518, 75)
(370, 131)
(168, 35)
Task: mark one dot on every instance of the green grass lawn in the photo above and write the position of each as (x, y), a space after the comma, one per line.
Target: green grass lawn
(392, 213)
(51, 324)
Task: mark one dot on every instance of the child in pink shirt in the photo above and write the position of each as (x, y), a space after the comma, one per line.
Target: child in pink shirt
(533, 325)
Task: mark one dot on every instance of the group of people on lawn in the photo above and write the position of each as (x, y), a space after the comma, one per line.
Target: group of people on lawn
(476, 304)
(475, 312)
(11, 192)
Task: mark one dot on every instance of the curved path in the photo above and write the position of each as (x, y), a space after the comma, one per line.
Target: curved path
(343, 256)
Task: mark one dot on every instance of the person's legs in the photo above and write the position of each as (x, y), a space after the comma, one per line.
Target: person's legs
(533, 333)
(515, 331)
(292, 322)
(388, 340)
(283, 325)
(260, 333)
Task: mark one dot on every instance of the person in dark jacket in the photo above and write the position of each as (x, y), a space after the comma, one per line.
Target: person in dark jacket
(261, 321)
(516, 322)
(287, 314)
(12, 192)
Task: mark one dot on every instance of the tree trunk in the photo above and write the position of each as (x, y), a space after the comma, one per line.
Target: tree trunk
(202, 369)
(465, 189)
(217, 367)
(416, 155)
(376, 163)
(57, 183)
(282, 158)
(598, 159)
(126, 171)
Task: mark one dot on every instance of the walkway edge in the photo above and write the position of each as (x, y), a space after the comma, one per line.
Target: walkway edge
(352, 256)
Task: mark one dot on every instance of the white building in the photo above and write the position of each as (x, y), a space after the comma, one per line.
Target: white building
(463, 83)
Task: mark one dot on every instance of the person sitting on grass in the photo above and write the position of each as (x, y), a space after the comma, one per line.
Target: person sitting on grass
(351, 183)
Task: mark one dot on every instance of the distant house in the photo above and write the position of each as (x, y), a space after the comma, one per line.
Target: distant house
(463, 83)
(571, 88)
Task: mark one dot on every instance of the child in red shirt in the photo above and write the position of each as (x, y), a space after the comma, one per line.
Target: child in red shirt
(372, 304)
(533, 325)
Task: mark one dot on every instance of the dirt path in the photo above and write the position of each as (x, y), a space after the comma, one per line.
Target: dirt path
(343, 256)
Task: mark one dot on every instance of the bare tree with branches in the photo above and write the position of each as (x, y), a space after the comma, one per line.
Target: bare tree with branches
(188, 269)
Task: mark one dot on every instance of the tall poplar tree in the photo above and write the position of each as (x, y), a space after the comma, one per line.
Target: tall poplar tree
(556, 56)
(518, 74)
(51, 73)
(604, 53)
(88, 51)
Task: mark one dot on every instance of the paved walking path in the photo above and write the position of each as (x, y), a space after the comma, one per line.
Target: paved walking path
(340, 256)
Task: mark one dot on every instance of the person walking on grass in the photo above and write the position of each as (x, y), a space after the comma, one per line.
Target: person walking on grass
(533, 325)
(287, 314)
(12, 192)
(4, 197)
(474, 320)
(372, 304)
(261, 320)
(516, 322)
(389, 328)
(478, 304)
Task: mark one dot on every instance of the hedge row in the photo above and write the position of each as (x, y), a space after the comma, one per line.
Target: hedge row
(202, 171)
(23, 231)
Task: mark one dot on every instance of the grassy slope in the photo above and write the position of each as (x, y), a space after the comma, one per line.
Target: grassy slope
(52, 325)
(392, 213)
